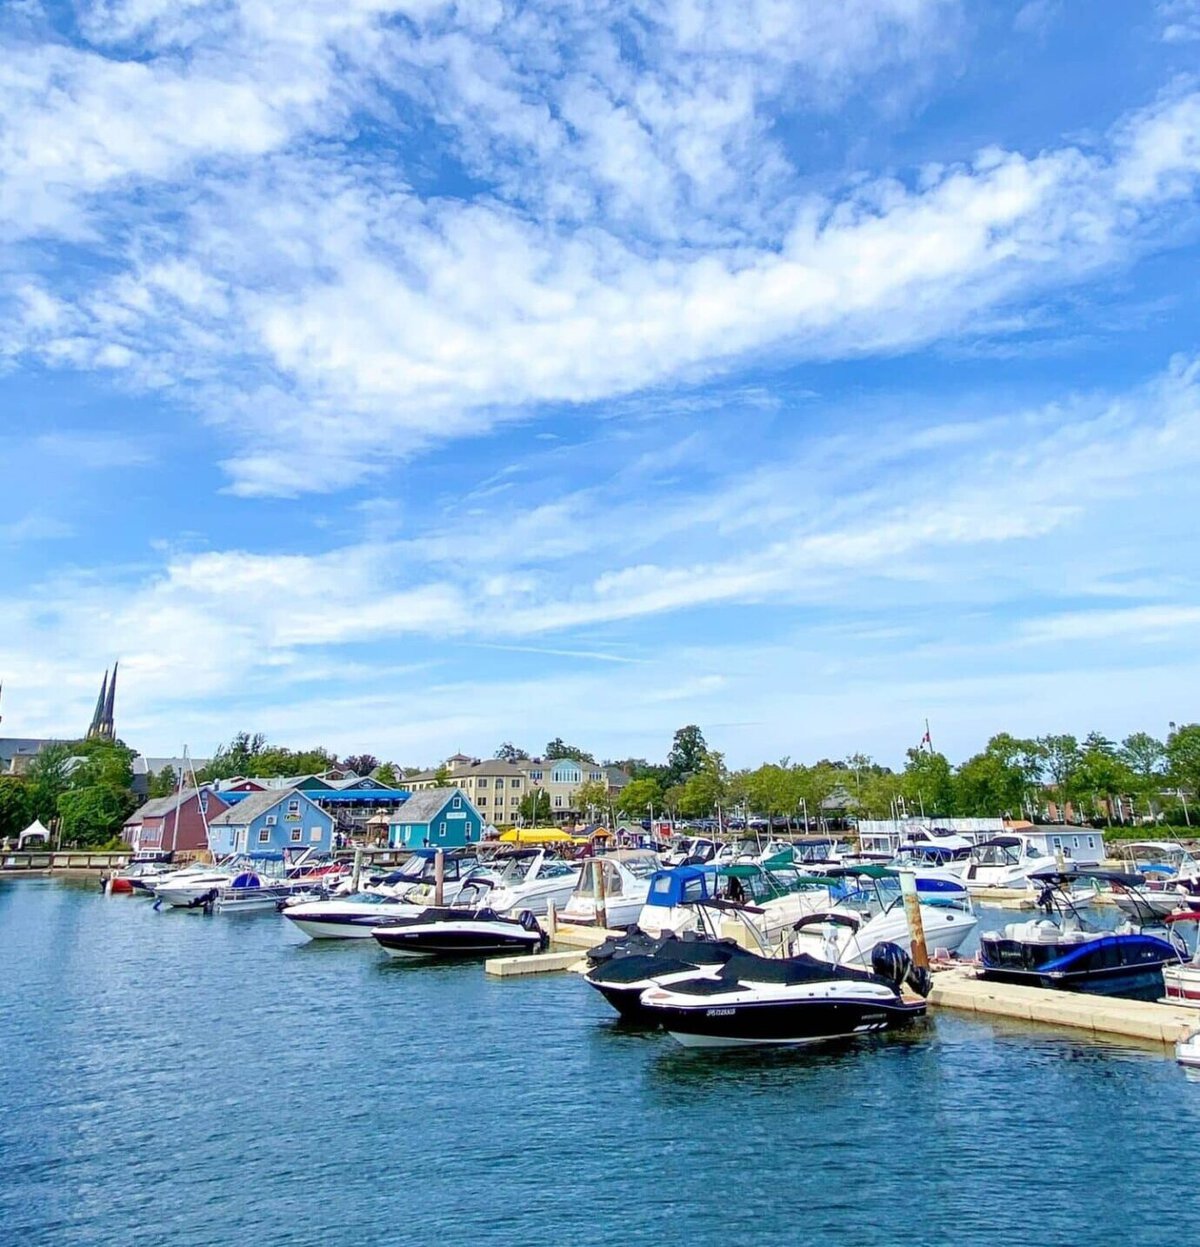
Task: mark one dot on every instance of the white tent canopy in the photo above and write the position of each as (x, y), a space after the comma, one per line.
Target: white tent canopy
(32, 832)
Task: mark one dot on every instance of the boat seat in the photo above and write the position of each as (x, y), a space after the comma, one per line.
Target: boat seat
(1035, 931)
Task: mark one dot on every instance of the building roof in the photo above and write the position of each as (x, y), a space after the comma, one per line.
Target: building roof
(159, 806)
(14, 746)
(255, 804)
(424, 806)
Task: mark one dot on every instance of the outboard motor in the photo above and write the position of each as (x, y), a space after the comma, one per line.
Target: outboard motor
(890, 962)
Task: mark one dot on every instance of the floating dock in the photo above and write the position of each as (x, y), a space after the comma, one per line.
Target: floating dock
(1101, 1015)
(568, 943)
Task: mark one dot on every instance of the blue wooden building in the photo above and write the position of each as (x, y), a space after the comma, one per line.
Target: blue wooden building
(269, 822)
(440, 818)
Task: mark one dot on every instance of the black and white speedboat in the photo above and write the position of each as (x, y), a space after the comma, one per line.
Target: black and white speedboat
(460, 930)
(754, 1001)
(624, 967)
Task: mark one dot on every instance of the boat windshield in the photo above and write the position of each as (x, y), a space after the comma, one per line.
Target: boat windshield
(1000, 854)
(641, 867)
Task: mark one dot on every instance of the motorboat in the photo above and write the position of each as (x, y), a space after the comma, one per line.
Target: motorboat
(691, 850)
(868, 909)
(1003, 862)
(1187, 1051)
(144, 866)
(774, 895)
(626, 965)
(1181, 983)
(756, 1001)
(1063, 951)
(626, 876)
(183, 889)
(818, 851)
(351, 917)
(528, 879)
(1170, 876)
(932, 861)
(460, 930)
(248, 881)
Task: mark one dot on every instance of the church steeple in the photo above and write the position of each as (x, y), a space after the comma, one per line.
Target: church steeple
(102, 725)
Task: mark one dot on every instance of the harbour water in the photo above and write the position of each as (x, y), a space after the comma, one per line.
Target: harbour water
(171, 1078)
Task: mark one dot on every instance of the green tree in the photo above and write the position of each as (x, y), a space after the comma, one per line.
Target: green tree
(591, 797)
(164, 783)
(16, 809)
(441, 777)
(637, 797)
(704, 790)
(558, 748)
(1061, 756)
(48, 779)
(1145, 756)
(92, 814)
(927, 784)
(688, 751)
(386, 776)
(508, 752)
(535, 807)
(1102, 775)
(360, 763)
(1183, 757)
(997, 781)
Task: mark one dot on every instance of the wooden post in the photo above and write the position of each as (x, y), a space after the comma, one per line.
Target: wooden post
(356, 873)
(439, 877)
(551, 919)
(598, 892)
(912, 911)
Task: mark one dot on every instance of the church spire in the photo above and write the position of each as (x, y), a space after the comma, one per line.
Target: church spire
(108, 727)
(98, 714)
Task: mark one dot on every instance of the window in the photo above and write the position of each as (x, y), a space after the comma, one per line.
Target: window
(270, 820)
(264, 836)
(595, 775)
(558, 802)
(204, 801)
(1091, 842)
(297, 835)
(483, 782)
(515, 801)
(294, 806)
(535, 775)
(457, 803)
(315, 834)
(442, 830)
(514, 783)
(482, 801)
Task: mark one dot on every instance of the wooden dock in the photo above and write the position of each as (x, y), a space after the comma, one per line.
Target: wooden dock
(1101, 1015)
(46, 862)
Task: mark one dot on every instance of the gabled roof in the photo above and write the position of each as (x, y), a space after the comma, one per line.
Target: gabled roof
(258, 803)
(486, 766)
(164, 805)
(424, 806)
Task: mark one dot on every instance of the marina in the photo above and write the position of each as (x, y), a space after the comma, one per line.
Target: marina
(162, 1023)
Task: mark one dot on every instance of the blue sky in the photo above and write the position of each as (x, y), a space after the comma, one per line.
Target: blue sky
(414, 376)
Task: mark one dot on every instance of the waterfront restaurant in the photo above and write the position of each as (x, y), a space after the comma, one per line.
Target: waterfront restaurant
(439, 818)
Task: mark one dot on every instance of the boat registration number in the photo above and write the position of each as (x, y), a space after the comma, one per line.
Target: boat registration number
(720, 1013)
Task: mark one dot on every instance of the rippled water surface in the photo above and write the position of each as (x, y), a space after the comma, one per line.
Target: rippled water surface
(174, 1078)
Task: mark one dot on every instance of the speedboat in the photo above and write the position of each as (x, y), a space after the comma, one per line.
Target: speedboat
(1061, 950)
(351, 917)
(186, 888)
(626, 874)
(145, 866)
(625, 966)
(691, 850)
(754, 1001)
(528, 879)
(1181, 983)
(460, 931)
(932, 861)
(869, 909)
(774, 895)
(1003, 862)
(1170, 876)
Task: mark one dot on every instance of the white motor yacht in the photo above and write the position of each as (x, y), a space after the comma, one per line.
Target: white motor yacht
(1004, 862)
(528, 879)
(871, 910)
(1171, 877)
(181, 888)
(349, 917)
(626, 874)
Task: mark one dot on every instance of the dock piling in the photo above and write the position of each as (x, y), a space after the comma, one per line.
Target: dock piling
(439, 877)
(912, 911)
